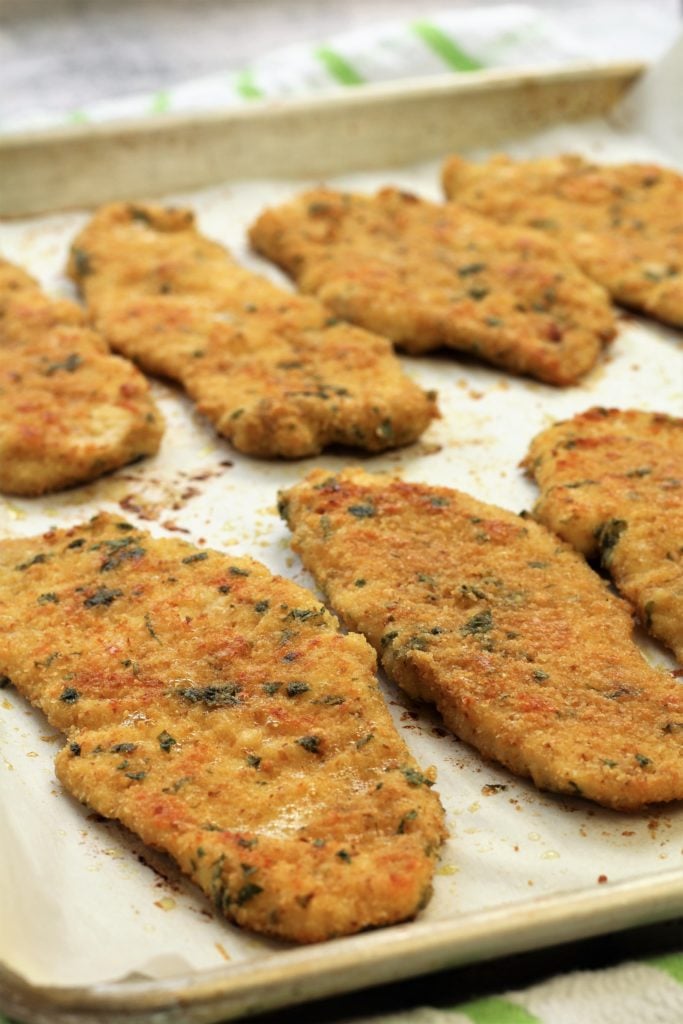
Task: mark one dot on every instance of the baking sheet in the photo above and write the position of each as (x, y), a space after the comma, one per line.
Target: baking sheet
(81, 901)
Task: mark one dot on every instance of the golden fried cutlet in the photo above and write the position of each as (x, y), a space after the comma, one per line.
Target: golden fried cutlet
(612, 485)
(271, 370)
(70, 410)
(621, 224)
(217, 711)
(427, 276)
(522, 648)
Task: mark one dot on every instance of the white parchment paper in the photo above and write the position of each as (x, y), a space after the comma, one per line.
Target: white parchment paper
(81, 900)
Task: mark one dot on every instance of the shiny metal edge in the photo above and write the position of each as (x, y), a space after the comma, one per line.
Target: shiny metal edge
(383, 124)
(299, 975)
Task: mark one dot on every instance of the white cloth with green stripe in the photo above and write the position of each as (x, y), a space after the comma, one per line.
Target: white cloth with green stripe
(639, 993)
(461, 39)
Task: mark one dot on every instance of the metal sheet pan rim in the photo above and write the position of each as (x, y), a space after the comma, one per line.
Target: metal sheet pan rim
(317, 971)
(358, 97)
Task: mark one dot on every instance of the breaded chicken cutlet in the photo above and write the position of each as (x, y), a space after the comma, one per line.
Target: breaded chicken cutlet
(70, 410)
(521, 647)
(428, 275)
(218, 712)
(271, 370)
(612, 485)
(621, 223)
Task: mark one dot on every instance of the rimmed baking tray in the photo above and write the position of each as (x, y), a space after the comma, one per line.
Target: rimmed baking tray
(522, 869)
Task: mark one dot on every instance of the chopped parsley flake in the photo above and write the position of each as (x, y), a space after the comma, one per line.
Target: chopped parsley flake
(310, 743)
(166, 741)
(247, 892)
(362, 511)
(213, 696)
(415, 778)
(482, 622)
(296, 688)
(103, 596)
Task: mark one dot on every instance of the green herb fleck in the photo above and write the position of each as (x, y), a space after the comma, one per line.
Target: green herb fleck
(166, 741)
(482, 622)
(200, 556)
(150, 628)
(389, 637)
(261, 606)
(642, 760)
(213, 696)
(70, 364)
(103, 597)
(310, 743)
(247, 892)
(415, 778)
(253, 761)
(81, 261)
(410, 816)
(236, 571)
(136, 776)
(69, 695)
(608, 537)
(48, 599)
(344, 855)
(124, 748)
(36, 560)
(294, 689)
(361, 511)
(122, 554)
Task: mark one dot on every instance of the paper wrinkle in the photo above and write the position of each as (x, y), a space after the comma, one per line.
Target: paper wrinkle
(77, 906)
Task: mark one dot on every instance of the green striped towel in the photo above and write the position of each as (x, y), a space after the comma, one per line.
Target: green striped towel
(461, 40)
(649, 992)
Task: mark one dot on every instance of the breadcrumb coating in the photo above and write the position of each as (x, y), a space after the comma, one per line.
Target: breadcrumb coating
(273, 372)
(218, 712)
(71, 411)
(428, 276)
(522, 648)
(620, 223)
(612, 485)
